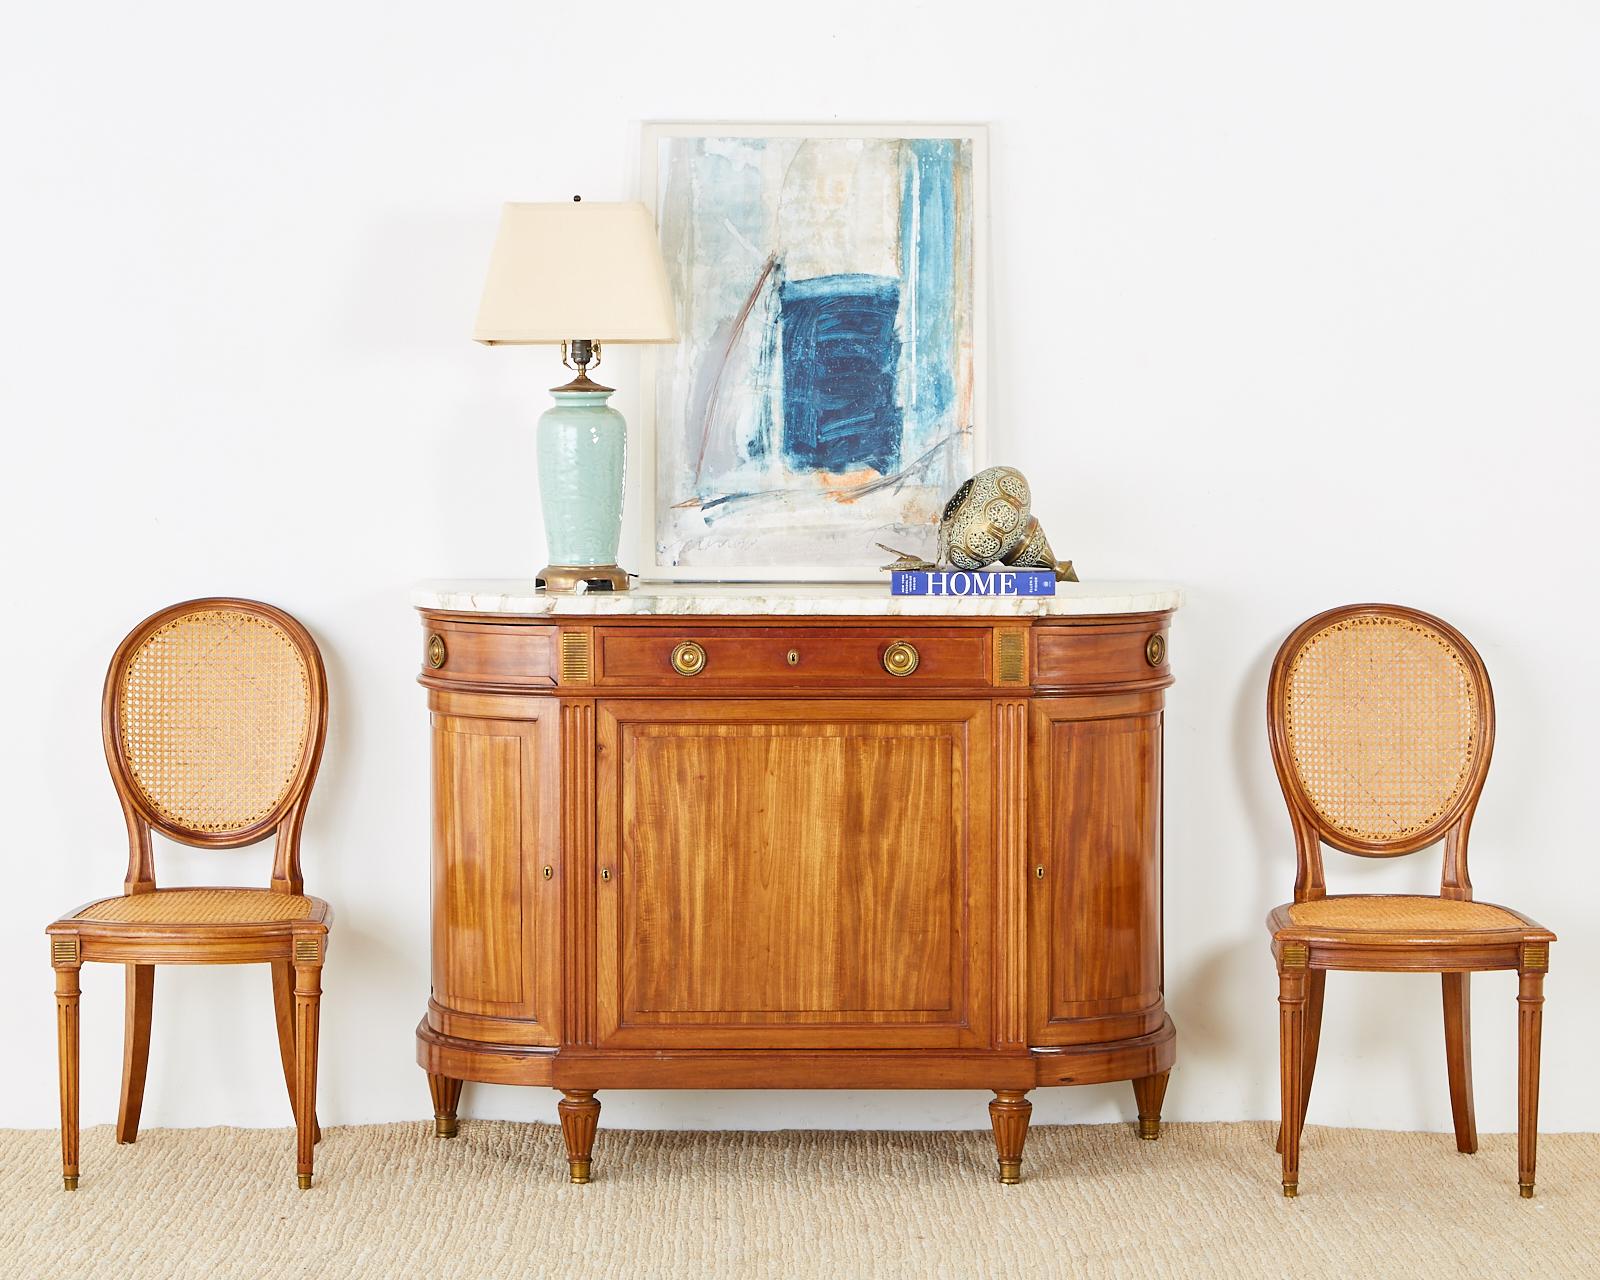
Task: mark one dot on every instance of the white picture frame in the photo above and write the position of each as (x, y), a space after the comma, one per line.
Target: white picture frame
(656, 561)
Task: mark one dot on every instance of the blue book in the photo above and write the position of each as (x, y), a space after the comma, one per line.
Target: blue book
(972, 582)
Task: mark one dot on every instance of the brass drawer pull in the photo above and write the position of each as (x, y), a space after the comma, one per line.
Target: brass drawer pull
(1155, 649)
(436, 653)
(688, 659)
(900, 658)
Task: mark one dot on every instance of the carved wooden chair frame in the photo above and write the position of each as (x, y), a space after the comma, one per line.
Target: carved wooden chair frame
(295, 948)
(1305, 953)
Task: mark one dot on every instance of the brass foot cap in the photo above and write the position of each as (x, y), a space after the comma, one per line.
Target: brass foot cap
(446, 1126)
(578, 1172)
(304, 1179)
(1010, 1172)
(1525, 1189)
(69, 1182)
(1149, 1130)
(1291, 1190)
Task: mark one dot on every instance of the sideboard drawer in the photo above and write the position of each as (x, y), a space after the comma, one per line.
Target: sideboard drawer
(792, 657)
(513, 657)
(1087, 656)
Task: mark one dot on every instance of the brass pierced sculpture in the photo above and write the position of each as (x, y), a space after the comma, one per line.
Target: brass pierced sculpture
(989, 519)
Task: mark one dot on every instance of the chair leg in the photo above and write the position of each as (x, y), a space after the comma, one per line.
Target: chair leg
(446, 1098)
(67, 1047)
(1292, 984)
(1530, 1018)
(1458, 1057)
(1316, 984)
(141, 985)
(307, 1004)
(1148, 1093)
(283, 1008)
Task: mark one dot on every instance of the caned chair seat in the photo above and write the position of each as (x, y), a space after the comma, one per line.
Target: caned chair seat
(204, 907)
(1397, 913)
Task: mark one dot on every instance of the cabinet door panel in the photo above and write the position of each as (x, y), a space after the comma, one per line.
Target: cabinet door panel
(794, 874)
(495, 915)
(1096, 918)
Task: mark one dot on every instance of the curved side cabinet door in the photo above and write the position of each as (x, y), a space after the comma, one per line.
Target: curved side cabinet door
(496, 914)
(1095, 967)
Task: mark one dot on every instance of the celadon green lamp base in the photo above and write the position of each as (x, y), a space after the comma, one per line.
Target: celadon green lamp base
(582, 467)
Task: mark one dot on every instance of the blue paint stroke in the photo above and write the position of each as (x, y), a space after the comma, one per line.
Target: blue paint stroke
(928, 269)
(840, 356)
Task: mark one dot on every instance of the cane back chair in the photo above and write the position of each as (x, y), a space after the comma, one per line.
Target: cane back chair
(1381, 721)
(213, 717)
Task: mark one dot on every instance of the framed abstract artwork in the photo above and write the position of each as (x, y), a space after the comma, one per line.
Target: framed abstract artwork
(827, 390)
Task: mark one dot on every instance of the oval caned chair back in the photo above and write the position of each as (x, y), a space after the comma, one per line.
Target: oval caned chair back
(1382, 722)
(215, 713)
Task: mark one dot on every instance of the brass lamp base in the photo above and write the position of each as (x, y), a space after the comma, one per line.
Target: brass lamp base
(566, 578)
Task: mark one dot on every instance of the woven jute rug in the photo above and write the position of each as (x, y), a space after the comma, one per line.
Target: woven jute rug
(394, 1201)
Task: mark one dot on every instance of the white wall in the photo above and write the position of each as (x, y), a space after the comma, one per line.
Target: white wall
(1295, 305)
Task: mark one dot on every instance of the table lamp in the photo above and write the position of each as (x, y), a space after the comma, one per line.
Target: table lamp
(580, 275)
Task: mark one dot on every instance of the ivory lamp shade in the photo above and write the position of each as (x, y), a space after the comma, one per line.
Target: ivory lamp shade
(576, 270)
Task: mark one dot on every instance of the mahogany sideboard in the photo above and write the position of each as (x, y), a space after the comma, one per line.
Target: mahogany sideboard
(704, 838)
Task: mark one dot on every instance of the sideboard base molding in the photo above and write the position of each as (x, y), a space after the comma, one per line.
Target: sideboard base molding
(1134, 1059)
(442, 1055)
(575, 1068)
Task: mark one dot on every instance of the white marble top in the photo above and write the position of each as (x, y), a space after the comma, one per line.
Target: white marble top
(516, 596)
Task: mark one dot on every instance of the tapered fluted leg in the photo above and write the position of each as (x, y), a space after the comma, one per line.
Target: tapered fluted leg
(1530, 1017)
(307, 1006)
(67, 1047)
(283, 1011)
(1292, 986)
(141, 985)
(1148, 1093)
(446, 1097)
(580, 1116)
(1458, 1057)
(1008, 1114)
(284, 1015)
(1316, 984)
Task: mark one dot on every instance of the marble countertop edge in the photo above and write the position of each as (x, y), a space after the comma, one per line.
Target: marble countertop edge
(518, 598)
